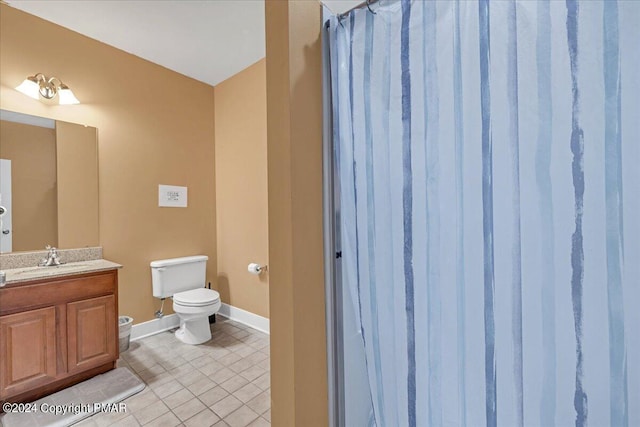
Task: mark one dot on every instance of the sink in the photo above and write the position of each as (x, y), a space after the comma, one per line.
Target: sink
(27, 274)
(47, 271)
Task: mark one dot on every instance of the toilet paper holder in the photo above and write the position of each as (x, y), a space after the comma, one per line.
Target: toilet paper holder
(254, 268)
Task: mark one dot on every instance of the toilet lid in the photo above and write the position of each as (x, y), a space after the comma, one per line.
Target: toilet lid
(196, 297)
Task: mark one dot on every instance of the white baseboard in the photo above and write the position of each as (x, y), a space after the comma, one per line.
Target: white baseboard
(170, 321)
(155, 326)
(245, 317)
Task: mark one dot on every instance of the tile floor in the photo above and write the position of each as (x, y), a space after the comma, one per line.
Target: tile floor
(225, 382)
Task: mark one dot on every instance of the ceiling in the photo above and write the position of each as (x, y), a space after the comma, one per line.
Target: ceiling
(208, 40)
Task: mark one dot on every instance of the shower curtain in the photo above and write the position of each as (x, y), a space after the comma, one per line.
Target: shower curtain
(488, 163)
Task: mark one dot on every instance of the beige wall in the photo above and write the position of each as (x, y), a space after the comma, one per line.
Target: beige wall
(241, 188)
(294, 151)
(154, 127)
(77, 166)
(32, 151)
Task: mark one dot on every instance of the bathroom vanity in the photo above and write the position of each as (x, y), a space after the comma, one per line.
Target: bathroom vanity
(58, 327)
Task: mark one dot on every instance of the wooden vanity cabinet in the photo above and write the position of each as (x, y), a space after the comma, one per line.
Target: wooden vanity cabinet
(56, 332)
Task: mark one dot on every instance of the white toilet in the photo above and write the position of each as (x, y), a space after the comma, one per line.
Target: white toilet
(183, 279)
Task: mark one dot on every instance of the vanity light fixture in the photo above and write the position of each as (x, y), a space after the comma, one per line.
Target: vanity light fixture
(39, 85)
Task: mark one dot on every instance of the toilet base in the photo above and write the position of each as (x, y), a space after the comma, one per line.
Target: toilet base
(194, 332)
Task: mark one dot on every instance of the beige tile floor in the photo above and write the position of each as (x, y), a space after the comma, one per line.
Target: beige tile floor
(224, 382)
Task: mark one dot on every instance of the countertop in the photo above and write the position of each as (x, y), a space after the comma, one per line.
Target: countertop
(27, 274)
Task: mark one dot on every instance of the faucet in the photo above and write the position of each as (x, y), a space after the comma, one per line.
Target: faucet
(52, 258)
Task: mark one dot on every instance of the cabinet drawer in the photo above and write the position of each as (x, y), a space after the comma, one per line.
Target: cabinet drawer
(48, 292)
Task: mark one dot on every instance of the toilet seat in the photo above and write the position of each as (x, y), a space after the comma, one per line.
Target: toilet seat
(196, 297)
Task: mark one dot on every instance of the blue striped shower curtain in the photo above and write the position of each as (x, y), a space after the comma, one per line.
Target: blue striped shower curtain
(488, 155)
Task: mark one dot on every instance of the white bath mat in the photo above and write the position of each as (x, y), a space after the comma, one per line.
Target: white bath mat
(98, 394)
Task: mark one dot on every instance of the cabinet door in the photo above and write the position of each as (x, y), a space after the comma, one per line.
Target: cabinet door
(27, 350)
(91, 333)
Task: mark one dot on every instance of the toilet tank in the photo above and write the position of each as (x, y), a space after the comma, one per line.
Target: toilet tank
(170, 276)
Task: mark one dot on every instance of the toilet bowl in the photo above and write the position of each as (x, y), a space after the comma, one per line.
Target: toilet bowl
(194, 308)
(183, 279)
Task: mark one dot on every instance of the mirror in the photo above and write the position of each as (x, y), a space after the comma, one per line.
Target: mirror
(48, 183)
